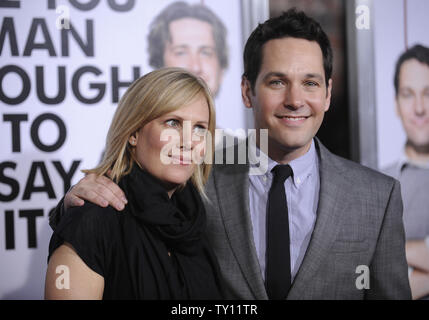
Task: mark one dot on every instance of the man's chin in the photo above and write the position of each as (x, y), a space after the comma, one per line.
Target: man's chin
(419, 147)
(289, 144)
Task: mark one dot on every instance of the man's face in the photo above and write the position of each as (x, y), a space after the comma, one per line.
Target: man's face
(290, 96)
(193, 48)
(412, 102)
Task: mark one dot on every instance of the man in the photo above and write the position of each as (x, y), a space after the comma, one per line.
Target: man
(411, 83)
(341, 218)
(190, 37)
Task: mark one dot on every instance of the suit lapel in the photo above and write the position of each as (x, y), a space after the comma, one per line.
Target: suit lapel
(330, 215)
(232, 186)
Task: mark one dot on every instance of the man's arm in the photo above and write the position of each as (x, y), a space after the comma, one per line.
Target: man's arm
(96, 189)
(389, 269)
(419, 282)
(418, 258)
(417, 254)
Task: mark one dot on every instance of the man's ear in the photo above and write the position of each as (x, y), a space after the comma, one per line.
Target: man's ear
(246, 92)
(397, 110)
(328, 95)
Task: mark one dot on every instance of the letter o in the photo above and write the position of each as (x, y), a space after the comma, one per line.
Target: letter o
(62, 132)
(84, 6)
(127, 6)
(25, 85)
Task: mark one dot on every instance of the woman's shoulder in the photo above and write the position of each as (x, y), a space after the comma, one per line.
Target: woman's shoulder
(92, 231)
(90, 222)
(90, 212)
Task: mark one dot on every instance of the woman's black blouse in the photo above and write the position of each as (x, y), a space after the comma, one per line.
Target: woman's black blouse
(155, 249)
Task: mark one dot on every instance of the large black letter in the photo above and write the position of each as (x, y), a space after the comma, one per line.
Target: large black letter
(116, 84)
(15, 120)
(31, 45)
(52, 4)
(127, 6)
(10, 4)
(40, 85)
(13, 184)
(31, 216)
(100, 86)
(87, 48)
(84, 6)
(62, 132)
(8, 27)
(66, 176)
(31, 188)
(25, 85)
(9, 223)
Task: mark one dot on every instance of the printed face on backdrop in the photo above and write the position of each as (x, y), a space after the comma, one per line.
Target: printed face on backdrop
(192, 47)
(412, 102)
(290, 96)
(152, 149)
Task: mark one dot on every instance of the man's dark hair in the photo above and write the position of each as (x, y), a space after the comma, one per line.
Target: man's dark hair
(159, 30)
(418, 52)
(294, 24)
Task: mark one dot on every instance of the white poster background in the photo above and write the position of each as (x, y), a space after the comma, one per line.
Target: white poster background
(389, 45)
(119, 41)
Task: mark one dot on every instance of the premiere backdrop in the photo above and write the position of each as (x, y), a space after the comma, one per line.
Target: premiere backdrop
(397, 24)
(59, 87)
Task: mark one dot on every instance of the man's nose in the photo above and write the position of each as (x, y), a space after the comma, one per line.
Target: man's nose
(294, 97)
(195, 64)
(419, 107)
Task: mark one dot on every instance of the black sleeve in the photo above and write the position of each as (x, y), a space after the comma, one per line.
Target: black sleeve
(91, 230)
(56, 214)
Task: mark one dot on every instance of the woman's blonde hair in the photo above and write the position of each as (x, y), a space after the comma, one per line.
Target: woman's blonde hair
(149, 97)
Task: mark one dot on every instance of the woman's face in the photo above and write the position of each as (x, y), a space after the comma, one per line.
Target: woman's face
(169, 147)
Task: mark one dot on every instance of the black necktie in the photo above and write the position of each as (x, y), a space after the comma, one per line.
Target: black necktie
(278, 278)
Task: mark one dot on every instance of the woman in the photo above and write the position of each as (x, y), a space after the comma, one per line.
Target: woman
(156, 248)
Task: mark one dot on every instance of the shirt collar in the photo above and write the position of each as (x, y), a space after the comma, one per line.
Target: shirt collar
(404, 160)
(302, 167)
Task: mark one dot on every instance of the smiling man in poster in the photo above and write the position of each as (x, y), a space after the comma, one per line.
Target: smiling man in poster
(411, 83)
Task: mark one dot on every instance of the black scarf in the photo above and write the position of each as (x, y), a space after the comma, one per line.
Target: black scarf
(177, 226)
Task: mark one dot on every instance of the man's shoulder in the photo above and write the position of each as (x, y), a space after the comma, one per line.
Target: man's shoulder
(356, 171)
(231, 154)
(392, 169)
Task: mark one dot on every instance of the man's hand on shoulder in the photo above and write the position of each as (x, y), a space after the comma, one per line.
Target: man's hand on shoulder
(99, 190)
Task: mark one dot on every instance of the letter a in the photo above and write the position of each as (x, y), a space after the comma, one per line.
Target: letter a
(362, 282)
(63, 281)
(363, 18)
(63, 21)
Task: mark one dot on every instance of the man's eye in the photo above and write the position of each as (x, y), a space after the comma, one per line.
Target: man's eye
(207, 52)
(406, 94)
(276, 83)
(179, 53)
(311, 84)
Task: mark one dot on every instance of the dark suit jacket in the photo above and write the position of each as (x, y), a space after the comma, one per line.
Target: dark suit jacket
(359, 222)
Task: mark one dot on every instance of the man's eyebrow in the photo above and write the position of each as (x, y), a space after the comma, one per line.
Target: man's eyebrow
(315, 76)
(179, 46)
(206, 46)
(276, 74)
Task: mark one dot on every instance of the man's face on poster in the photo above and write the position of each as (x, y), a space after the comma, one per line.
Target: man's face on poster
(192, 47)
(413, 102)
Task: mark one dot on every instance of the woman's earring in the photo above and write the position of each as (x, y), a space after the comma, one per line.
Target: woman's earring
(133, 142)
